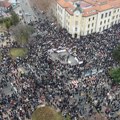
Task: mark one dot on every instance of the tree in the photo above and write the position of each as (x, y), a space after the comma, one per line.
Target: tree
(8, 24)
(22, 33)
(43, 4)
(115, 74)
(14, 18)
(116, 54)
(47, 6)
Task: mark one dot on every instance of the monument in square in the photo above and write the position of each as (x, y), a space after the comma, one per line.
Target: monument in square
(64, 56)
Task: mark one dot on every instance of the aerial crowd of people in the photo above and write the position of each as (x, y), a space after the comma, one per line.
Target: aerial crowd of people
(50, 82)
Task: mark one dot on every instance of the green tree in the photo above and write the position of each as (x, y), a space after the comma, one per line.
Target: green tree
(115, 74)
(14, 18)
(8, 24)
(116, 54)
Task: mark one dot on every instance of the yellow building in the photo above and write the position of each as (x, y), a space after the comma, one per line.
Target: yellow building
(83, 17)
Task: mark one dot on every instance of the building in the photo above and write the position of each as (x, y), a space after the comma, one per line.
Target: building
(83, 17)
(5, 6)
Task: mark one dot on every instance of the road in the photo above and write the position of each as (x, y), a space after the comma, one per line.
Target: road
(27, 11)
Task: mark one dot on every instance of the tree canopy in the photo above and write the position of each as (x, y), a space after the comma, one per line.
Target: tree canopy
(43, 4)
(115, 74)
(9, 21)
(116, 54)
(22, 33)
(14, 18)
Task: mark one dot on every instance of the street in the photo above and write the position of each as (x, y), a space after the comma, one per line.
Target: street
(27, 11)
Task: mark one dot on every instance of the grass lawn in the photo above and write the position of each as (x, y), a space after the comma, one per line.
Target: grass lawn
(46, 113)
(18, 52)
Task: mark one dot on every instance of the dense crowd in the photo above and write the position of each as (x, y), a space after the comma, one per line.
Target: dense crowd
(47, 81)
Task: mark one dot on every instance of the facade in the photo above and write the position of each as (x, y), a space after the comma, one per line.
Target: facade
(83, 17)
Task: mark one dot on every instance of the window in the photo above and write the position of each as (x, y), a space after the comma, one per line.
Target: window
(113, 17)
(99, 29)
(75, 29)
(88, 32)
(103, 27)
(101, 23)
(114, 11)
(104, 21)
(60, 10)
(111, 23)
(107, 26)
(76, 23)
(106, 15)
(92, 24)
(102, 16)
(93, 18)
(89, 19)
(91, 30)
(117, 16)
(108, 20)
(88, 25)
(109, 13)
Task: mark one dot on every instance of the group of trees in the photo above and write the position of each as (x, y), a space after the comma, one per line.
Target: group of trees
(9, 21)
(14, 20)
(20, 31)
(46, 6)
(115, 72)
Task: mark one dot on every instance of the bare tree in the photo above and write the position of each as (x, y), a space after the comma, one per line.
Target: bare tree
(22, 33)
(43, 4)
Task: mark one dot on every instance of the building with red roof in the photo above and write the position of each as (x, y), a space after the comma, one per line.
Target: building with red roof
(83, 17)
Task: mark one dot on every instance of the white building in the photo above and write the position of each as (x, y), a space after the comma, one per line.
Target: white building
(83, 17)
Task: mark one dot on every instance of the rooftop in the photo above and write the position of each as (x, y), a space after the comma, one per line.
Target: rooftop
(5, 4)
(89, 7)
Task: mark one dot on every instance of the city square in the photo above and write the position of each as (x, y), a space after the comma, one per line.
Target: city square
(54, 69)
